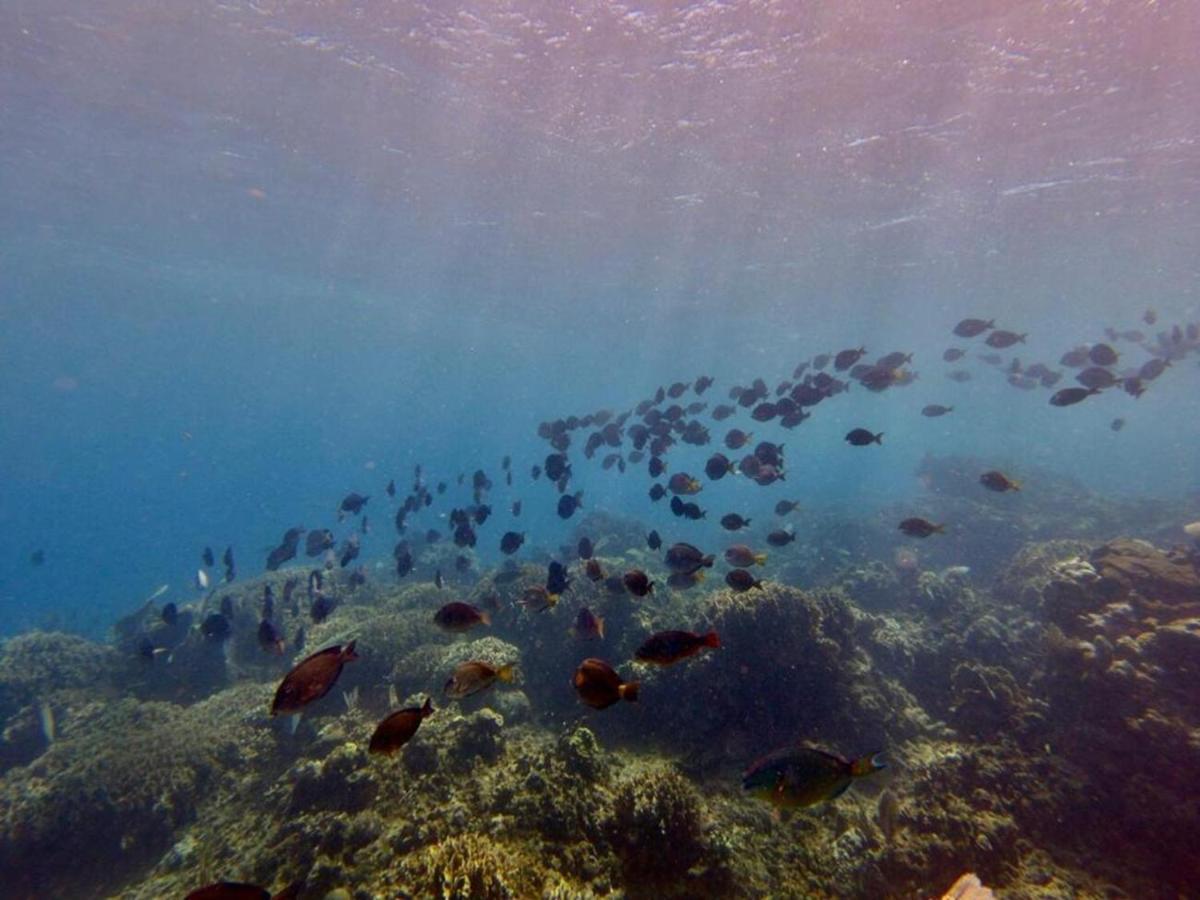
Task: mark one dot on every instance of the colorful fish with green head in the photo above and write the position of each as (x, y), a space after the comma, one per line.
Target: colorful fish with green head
(803, 776)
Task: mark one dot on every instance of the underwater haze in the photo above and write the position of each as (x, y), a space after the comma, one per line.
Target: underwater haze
(258, 257)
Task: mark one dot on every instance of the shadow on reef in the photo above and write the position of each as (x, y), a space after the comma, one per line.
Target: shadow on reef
(1039, 730)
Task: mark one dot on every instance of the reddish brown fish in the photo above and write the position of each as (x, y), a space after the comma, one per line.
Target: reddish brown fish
(600, 687)
(593, 569)
(312, 679)
(638, 583)
(588, 626)
(475, 676)
(458, 616)
(398, 729)
(668, 647)
(230, 890)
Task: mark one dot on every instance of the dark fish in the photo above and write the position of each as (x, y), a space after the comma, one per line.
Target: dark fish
(464, 535)
(312, 679)
(1103, 355)
(404, 560)
(653, 541)
(511, 542)
(692, 511)
(568, 503)
(37, 557)
(953, 354)
(780, 538)
(959, 375)
(970, 328)
(717, 467)
(208, 558)
(216, 627)
(556, 466)
(1152, 368)
(1133, 387)
(722, 412)
(269, 637)
(474, 676)
(933, 410)
(458, 616)
(588, 626)
(783, 507)
(391, 488)
(481, 513)
(656, 466)
(1001, 339)
(227, 606)
(740, 580)
(682, 581)
(741, 556)
(352, 503)
(667, 647)
(600, 687)
(1149, 317)
(657, 492)
(846, 358)
(1096, 378)
(318, 542)
(1076, 358)
(1071, 396)
(733, 522)
(321, 608)
(804, 776)
(350, 550)
(687, 559)
(703, 383)
(683, 483)
(398, 729)
(1117, 424)
(736, 439)
(677, 389)
(593, 570)
(585, 548)
(557, 580)
(920, 528)
(764, 412)
(769, 454)
(535, 472)
(432, 536)
(860, 437)
(998, 482)
(516, 509)
(637, 583)
(894, 360)
(170, 615)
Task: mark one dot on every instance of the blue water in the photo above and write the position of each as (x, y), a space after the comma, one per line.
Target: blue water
(254, 260)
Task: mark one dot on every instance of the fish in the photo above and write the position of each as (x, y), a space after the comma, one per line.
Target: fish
(804, 776)
(783, 507)
(568, 503)
(230, 890)
(1097, 378)
(718, 466)
(970, 328)
(207, 557)
(585, 548)
(459, 616)
(740, 580)
(933, 410)
(318, 542)
(588, 626)
(352, 503)
(920, 528)
(681, 483)
(656, 466)
(556, 466)
(741, 555)
(780, 537)
(269, 637)
(37, 557)
(170, 615)
(516, 509)
(653, 540)
(390, 490)
(953, 354)
(657, 492)
(593, 570)
(201, 580)
(723, 411)
(216, 627)
(860, 437)
(537, 599)
(599, 686)
(1152, 368)
(998, 481)
(399, 728)
(1150, 317)
(322, 607)
(692, 511)
(846, 358)
(312, 678)
(685, 558)
(557, 580)
(350, 550)
(733, 522)
(637, 583)
(959, 375)
(1071, 396)
(1103, 355)
(511, 542)
(736, 439)
(1001, 339)
(1116, 424)
(474, 676)
(667, 647)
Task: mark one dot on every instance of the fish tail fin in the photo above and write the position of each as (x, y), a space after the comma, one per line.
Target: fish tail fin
(485, 618)
(939, 529)
(427, 707)
(600, 622)
(348, 652)
(712, 639)
(1016, 485)
(866, 765)
(760, 558)
(1021, 338)
(708, 560)
(699, 574)
(879, 438)
(629, 691)
(293, 722)
(506, 673)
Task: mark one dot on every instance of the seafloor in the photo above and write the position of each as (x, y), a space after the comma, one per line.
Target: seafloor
(1039, 712)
